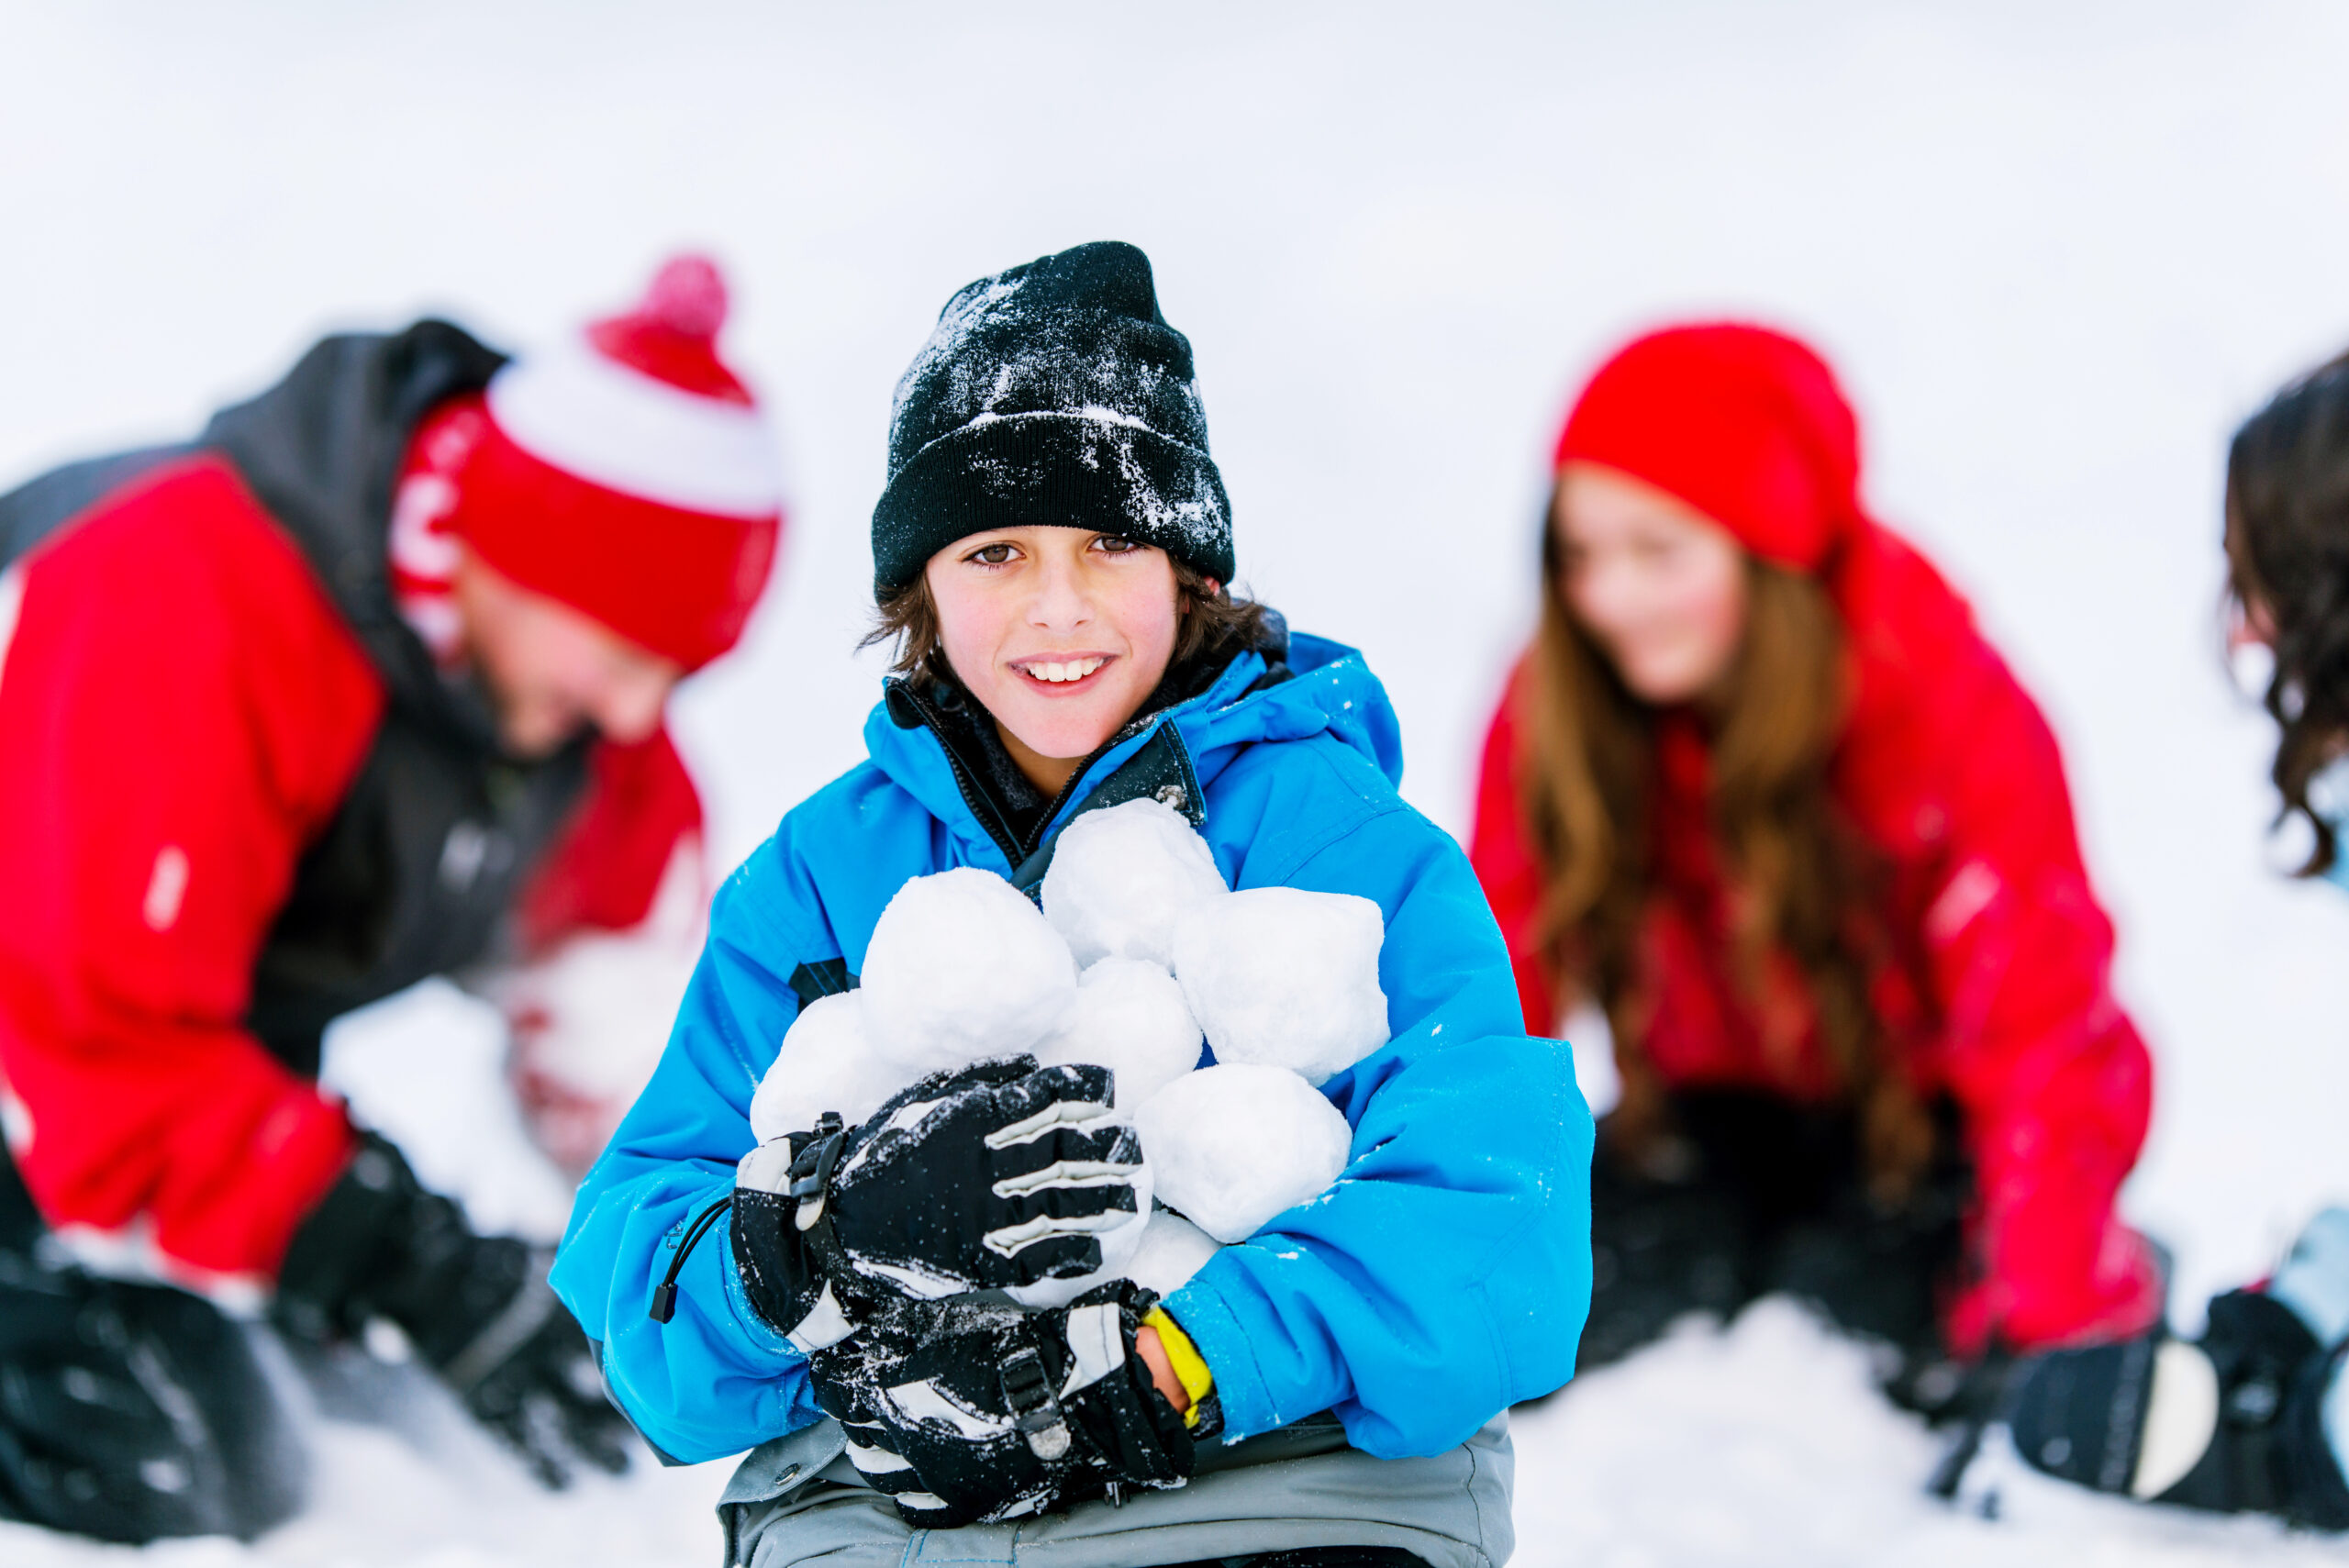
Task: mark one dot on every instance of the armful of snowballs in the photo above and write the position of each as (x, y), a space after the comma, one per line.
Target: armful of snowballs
(951, 1210)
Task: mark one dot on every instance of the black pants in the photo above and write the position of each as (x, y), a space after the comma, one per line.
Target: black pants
(1770, 1198)
(129, 1412)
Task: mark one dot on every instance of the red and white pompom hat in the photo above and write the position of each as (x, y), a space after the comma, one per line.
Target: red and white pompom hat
(627, 474)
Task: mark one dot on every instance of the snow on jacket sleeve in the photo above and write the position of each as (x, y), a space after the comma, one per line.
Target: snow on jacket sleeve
(715, 1379)
(1506, 865)
(1447, 1275)
(180, 710)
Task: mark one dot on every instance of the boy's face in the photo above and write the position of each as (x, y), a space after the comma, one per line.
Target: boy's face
(552, 672)
(1061, 633)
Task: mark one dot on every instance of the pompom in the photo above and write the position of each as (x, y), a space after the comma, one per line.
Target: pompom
(687, 295)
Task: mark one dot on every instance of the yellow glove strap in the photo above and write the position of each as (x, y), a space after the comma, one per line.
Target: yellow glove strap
(1190, 1369)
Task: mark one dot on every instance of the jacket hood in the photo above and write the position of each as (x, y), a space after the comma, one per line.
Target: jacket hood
(322, 449)
(1176, 754)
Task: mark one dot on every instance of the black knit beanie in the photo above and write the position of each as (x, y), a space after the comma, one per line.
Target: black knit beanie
(1052, 393)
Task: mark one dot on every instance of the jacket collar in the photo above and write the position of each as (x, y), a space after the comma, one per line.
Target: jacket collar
(1174, 753)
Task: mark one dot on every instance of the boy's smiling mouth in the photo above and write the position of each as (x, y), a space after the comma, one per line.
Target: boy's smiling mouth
(1064, 672)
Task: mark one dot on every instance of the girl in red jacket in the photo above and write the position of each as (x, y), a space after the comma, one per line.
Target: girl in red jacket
(1761, 792)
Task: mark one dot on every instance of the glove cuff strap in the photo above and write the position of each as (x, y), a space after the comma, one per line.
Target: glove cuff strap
(1035, 1410)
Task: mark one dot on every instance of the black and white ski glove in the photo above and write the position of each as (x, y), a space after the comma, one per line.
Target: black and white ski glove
(973, 1411)
(991, 1177)
(477, 1310)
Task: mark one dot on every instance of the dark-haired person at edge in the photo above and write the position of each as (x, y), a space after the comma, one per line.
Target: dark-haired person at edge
(364, 683)
(1330, 1392)
(2252, 1417)
(1761, 792)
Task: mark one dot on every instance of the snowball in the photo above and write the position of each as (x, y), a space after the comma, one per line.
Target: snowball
(1172, 1250)
(961, 968)
(826, 1064)
(1118, 1245)
(1285, 977)
(1130, 1018)
(1122, 876)
(1234, 1144)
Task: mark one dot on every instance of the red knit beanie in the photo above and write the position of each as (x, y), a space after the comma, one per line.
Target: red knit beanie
(1744, 424)
(628, 474)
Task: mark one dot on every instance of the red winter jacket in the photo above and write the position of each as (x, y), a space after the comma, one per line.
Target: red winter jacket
(182, 711)
(2002, 993)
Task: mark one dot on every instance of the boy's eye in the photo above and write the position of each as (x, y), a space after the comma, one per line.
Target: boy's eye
(1110, 544)
(992, 554)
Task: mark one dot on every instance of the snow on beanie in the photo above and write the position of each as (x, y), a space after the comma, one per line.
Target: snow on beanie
(627, 474)
(1052, 393)
(1744, 424)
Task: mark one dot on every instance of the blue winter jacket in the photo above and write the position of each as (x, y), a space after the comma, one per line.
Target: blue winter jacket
(1444, 1277)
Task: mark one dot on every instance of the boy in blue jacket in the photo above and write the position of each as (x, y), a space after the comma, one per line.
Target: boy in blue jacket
(1050, 556)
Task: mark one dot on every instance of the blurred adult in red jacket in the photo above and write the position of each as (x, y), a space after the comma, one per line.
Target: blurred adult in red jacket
(1761, 790)
(364, 683)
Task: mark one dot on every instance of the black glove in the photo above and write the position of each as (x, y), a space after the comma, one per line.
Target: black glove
(968, 1412)
(477, 1310)
(992, 1176)
(129, 1412)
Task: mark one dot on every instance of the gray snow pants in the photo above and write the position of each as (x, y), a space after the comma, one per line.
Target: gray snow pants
(797, 1499)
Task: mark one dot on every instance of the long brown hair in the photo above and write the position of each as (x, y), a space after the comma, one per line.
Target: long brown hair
(1799, 879)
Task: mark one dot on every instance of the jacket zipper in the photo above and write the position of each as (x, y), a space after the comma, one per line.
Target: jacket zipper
(990, 816)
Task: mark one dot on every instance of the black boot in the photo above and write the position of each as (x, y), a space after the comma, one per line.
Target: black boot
(2229, 1424)
(2315, 1493)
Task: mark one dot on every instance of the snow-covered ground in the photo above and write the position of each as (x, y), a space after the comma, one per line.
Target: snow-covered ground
(2057, 253)
(1767, 1445)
